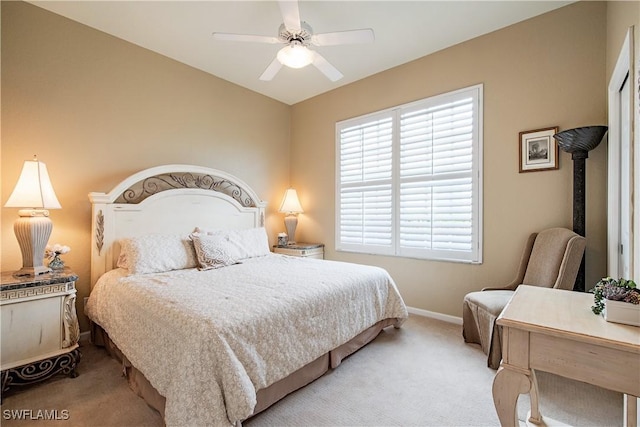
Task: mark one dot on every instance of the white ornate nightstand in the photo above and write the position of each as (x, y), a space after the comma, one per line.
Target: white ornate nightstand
(40, 328)
(304, 250)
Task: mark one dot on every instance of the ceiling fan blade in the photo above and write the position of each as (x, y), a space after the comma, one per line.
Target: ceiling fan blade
(271, 70)
(290, 15)
(327, 69)
(343, 37)
(245, 38)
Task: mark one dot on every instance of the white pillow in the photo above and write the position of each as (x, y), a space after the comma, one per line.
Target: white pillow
(156, 253)
(252, 242)
(214, 251)
(249, 243)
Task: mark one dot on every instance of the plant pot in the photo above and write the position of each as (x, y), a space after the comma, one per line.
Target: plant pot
(622, 312)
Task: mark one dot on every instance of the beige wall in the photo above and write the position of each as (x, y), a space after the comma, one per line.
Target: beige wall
(547, 71)
(620, 16)
(96, 109)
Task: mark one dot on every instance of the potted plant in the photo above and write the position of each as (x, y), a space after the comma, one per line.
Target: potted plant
(618, 300)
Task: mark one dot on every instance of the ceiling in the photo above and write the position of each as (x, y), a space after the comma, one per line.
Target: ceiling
(404, 31)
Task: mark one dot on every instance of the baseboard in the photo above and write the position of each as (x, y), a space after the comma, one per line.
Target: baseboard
(435, 315)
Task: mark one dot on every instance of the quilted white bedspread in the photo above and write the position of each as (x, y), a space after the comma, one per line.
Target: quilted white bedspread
(207, 340)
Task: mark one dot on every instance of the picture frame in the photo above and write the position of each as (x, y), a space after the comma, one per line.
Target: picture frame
(538, 150)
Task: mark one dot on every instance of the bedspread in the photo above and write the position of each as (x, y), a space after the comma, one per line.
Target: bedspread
(207, 340)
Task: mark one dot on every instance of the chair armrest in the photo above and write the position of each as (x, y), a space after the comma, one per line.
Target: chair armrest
(510, 287)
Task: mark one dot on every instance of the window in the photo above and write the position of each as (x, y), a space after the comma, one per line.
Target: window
(409, 179)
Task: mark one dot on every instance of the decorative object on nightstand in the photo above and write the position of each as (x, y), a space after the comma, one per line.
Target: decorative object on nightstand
(291, 206)
(283, 239)
(579, 142)
(303, 250)
(53, 255)
(40, 330)
(34, 193)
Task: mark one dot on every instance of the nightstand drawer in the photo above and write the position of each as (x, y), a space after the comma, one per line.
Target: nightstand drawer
(31, 329)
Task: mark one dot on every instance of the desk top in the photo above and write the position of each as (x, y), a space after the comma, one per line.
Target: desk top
(566, 314)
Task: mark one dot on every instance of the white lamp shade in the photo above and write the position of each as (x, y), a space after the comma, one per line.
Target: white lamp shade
(34, 189)
(290, 202)
(295, 56)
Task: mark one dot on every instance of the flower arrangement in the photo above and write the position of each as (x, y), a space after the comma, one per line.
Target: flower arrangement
(56, 250)
(615, 290)
(53, 254)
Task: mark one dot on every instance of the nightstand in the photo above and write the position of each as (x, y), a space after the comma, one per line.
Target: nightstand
(40, 330)
(304, 250)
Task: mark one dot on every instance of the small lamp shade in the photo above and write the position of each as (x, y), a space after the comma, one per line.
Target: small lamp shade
(34, 193)
(290, 202)
(34, 189)
(291, 206)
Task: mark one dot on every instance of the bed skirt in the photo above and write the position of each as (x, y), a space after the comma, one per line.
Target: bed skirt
(266, 396)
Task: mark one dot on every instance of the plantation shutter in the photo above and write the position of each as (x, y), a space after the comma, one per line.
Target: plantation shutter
(366, 199)
(436, 171)
(409, 181)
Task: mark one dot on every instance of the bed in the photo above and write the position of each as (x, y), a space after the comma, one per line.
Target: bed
(211, 327)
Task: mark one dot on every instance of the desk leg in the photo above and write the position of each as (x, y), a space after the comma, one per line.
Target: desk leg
(630, 411)
(535, 416)
(508, 385)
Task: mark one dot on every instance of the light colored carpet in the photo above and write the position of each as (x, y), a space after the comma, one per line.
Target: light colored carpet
(420, 375)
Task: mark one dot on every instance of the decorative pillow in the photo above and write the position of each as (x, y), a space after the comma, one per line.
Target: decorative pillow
(156, 253)
(250, 242)
(214, 251)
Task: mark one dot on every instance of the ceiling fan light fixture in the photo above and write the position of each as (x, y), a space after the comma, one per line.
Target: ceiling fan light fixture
(297, 36)
(295, 56)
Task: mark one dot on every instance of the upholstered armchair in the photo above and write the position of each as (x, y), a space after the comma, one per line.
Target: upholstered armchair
(550, 259)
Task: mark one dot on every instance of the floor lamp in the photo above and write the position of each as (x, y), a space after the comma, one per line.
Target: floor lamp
(579, 142)
(34, 194)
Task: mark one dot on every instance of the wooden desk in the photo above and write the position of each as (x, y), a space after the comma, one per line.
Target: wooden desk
(555, 331)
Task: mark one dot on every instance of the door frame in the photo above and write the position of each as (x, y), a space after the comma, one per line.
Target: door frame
(622, 71)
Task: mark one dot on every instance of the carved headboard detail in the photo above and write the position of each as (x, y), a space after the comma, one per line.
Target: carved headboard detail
(170, 181)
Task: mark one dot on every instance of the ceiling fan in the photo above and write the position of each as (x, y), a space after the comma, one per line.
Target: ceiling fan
(298, 36)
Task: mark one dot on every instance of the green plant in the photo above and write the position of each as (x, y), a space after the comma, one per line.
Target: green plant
(616, 290)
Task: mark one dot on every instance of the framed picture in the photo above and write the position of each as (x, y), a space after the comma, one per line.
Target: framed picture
(538, 150)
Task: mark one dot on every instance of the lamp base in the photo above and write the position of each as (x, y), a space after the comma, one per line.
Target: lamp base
(290, 223)
(32, 230)
(31, 271)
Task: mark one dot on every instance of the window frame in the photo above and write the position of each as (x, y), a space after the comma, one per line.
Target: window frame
(473, 256)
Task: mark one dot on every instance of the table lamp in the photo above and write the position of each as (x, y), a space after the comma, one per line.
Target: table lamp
(291, 206)
(34, 194)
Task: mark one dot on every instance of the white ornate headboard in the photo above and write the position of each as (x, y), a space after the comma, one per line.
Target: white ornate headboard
(168, 199)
